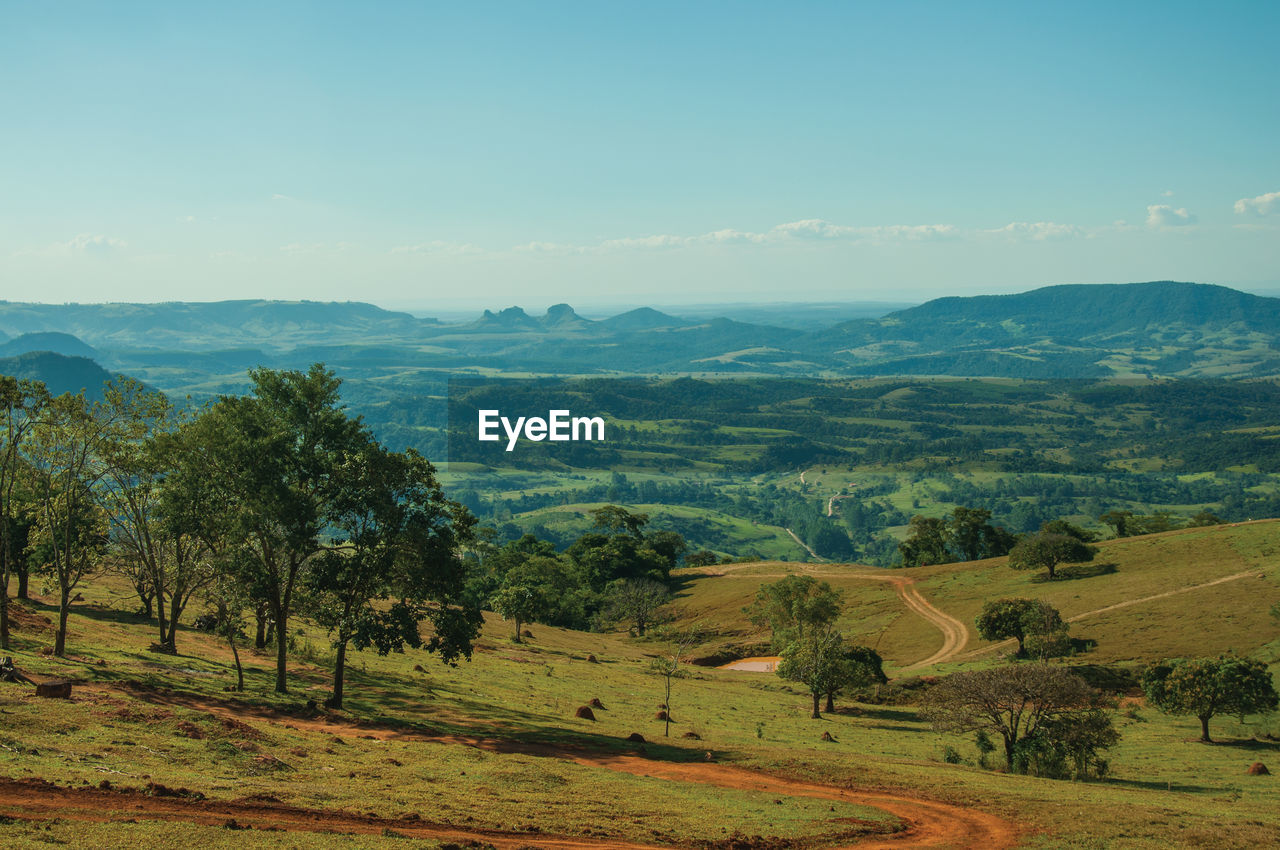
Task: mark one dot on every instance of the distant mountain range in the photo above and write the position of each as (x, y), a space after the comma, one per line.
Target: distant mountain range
(1077, 331)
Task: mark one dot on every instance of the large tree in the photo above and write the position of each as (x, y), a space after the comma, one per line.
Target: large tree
(536, 590)
(394, 559)
(1012, 702)
(927, 542)
(21, 404)
(864, 667)
(817, 660)
(794, 606)
(1001, 619)
(636, 601)
(70, 533)
(1206, 687)
(268, 463)
(1046, 550)
(151, 544)
(973, 535)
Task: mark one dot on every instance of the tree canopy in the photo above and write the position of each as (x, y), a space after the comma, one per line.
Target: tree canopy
(1206, 687)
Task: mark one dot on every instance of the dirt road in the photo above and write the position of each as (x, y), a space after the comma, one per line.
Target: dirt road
(926, 823)
(955, 635)
(1075, 618)
(803, 545)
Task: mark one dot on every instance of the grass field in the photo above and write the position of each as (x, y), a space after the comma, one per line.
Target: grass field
(490, 751)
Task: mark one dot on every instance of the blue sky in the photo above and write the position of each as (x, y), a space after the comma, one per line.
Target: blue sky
(430, 154)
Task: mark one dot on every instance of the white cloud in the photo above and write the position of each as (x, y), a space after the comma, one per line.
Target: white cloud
(1163, 215)
(1038, 231)
(1168, 193)
(667, 240)
(1261, 205)
(85, 243)
(816, 228)
(437, 246)
(548, 248)
(316, 247)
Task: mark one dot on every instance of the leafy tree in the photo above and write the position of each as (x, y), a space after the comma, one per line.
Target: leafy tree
(70, 533)
(1068, 744)
(1206, 687)
(1061, 526)
(702, 558)
(668, 545)
(1118, 520)
(21, 404)
(1204, 518)
(1017, 618)
(830, 542)
(636, 600)
(1048, 550)
(534, 591)
(619, 520)
(793, 606)
(166, 563)
(972, 534)
(1012, 702)
(605, 558)
(926, 542)
(864, 667)
(394, 537)
(817, 660)
(270, 462)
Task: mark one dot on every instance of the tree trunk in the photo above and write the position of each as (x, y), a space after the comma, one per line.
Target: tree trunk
(831, 703)
(282, 649)
(666, 732)
(161, 618)
(1204, 728)
(175, 611)
(60, 639)
(1022, 649)
(24, 576)
(260, 639)
(1008, 753)
(235, 653)
(1052, 567)
(816, 715)
(4, 615)
(518, 624)
(339, 675)
(282, 655)
(639, 628)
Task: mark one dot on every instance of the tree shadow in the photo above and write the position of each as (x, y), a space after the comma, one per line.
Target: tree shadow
(1251, 744)
(878, 713)
(1077, 571)
(1152, 785)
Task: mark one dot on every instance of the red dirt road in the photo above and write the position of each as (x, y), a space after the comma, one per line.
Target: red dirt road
(927, 823)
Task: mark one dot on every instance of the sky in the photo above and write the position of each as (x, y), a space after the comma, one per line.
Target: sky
(426, 155)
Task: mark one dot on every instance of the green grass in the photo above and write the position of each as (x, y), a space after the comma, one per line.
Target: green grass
(134, 713)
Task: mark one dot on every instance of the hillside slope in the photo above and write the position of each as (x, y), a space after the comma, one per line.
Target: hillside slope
(1198, 591)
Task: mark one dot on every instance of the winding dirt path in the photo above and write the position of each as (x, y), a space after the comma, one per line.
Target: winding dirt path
(955, 634)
